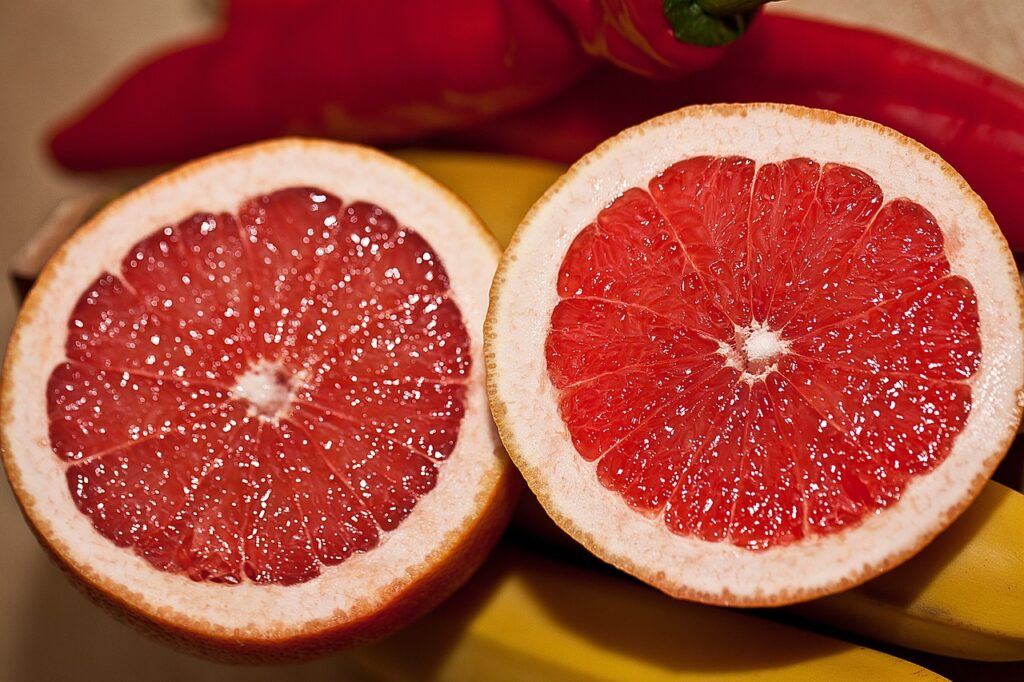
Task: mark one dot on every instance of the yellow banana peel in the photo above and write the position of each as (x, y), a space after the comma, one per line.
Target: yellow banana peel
(527, 618)
(961, 596)
(501, 189)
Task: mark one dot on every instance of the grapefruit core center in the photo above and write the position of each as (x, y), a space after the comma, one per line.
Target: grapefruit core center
(267, 388)
(756, 350)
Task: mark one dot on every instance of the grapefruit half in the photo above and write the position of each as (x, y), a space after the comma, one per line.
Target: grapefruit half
(245, 406)
(755, 354)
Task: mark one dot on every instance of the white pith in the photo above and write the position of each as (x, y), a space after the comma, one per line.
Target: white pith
(362, 583)
(525, 402)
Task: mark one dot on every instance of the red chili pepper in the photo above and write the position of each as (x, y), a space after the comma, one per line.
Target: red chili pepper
(367, 71)
(380, 72)
(971, 117)
(389, 72)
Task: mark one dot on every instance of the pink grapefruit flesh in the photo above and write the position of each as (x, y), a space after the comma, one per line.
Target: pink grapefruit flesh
(274, 424)
(761, 353)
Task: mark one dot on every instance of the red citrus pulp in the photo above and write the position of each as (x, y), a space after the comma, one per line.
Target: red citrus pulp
(769, 317)
(275, 424)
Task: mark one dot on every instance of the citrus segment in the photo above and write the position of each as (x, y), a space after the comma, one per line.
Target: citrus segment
(705, 203)
(631, 256)
(240, 378)
(828, 217)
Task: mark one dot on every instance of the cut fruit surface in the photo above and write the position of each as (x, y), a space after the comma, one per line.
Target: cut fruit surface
(291, 379)
(245, 403)
(741, 400)
(755, 354)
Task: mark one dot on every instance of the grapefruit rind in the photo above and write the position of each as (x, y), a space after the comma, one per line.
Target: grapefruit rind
(436, 547)
(525, 403)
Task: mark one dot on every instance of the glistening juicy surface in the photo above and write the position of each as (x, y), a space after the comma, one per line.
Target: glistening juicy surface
(761, 353)
(261, 394)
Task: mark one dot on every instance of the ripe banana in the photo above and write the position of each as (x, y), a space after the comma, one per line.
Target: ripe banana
(962, 596)
(526, 618)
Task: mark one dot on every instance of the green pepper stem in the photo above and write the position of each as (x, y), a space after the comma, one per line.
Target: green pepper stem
(710, 23)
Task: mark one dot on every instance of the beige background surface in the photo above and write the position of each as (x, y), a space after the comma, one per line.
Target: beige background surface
(56, 53)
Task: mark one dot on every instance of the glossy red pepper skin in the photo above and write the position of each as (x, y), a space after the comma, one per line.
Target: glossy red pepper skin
(635, 35)
(971, 117)
(348, 69)
(374, 72)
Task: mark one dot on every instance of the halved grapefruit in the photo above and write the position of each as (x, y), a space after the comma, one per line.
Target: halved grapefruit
(245, 404)
(756, 354)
